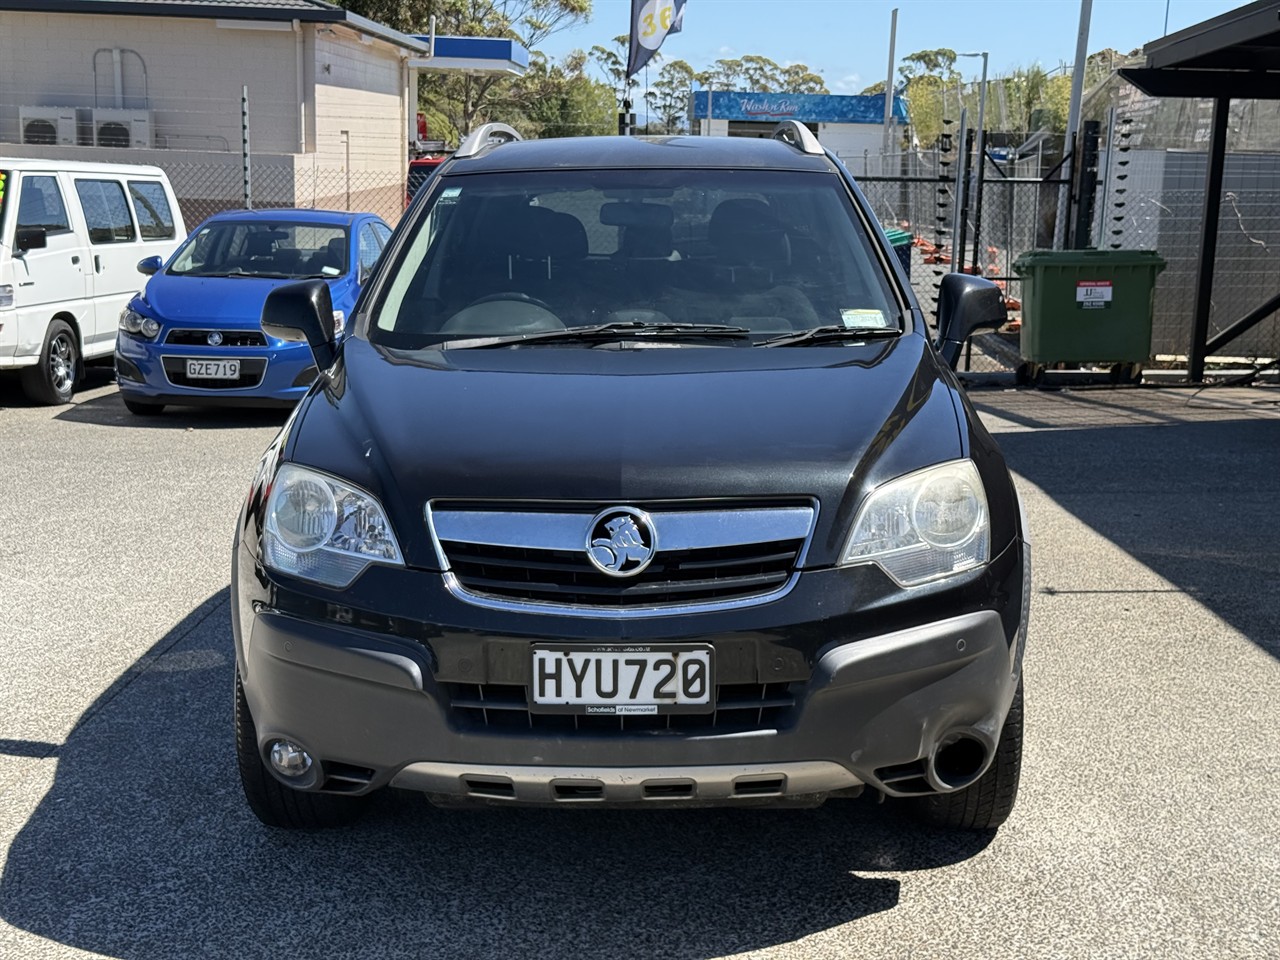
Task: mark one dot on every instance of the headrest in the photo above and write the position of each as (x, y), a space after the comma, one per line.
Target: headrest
(745, 232)
(260, 244)
(535, 233)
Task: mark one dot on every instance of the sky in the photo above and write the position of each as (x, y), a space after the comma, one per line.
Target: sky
(847, 41)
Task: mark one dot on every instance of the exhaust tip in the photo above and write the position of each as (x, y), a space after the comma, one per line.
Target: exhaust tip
(958, 762)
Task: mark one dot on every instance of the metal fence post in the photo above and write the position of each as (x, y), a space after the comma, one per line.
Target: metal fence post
(246, 163)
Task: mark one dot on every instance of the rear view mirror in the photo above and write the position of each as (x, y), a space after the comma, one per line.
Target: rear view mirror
(302, 312)
(966, 304)
(150, 266)
(31, 238)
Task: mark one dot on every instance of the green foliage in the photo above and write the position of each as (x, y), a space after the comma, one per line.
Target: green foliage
(668, 98)
(761, 75)
(560, 100)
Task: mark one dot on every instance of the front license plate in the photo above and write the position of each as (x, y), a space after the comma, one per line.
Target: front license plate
(213, 369)
(632, 680)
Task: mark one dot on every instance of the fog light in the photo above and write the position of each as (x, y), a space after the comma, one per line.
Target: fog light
(289, 759)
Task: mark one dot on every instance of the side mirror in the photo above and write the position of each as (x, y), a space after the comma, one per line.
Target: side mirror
(31, 238)
(150, 266)
(965, 304)
(303, 312)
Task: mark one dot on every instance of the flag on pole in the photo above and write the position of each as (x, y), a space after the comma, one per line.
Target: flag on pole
(651, 22)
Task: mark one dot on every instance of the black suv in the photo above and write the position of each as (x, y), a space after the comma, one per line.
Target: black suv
(638, 481)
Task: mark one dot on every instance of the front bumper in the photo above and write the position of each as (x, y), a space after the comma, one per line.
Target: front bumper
(141, 374)
(373, 710)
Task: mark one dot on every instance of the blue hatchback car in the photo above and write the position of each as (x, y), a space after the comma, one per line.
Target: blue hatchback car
(194, 335)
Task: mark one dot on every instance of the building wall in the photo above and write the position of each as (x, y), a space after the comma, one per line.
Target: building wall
(194, 71)
(359, 88)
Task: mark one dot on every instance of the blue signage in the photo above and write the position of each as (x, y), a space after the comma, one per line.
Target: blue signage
(805, 107)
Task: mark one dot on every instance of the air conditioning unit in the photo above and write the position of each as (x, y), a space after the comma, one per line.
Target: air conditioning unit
(48, 126)
(121, 127)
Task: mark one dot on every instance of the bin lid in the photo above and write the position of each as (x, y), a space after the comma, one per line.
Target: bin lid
(897, 237)
(1088, 258)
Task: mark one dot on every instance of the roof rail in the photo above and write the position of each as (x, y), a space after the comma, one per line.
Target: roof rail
(484, 136)
(796, 134)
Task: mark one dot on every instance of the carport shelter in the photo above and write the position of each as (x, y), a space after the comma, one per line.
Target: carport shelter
(1232, 57)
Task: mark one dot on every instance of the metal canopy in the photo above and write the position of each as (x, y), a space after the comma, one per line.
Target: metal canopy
(1232, 57)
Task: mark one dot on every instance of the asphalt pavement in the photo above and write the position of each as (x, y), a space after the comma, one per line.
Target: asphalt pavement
(1148, 823)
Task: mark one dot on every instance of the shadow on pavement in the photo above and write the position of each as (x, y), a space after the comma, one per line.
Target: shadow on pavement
(109, 411)
(1191, 492)
(144, 847)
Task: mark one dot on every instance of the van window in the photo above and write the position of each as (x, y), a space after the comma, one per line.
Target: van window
(106, 211)
(41, 205)
(4, 189)
(155, 219)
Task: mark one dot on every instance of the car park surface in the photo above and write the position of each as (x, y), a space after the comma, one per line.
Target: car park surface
(192, 336)
(1146, 825)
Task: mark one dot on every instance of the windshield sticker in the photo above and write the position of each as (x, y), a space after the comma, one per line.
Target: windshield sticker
(450, 192)
(864, 318)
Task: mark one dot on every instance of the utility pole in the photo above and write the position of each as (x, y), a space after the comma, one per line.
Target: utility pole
(1073, 119)
(888, 93)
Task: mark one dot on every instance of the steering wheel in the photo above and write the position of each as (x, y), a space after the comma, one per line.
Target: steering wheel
(510, 295)
(509, 312)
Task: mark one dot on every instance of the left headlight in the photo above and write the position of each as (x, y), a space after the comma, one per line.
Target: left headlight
(131, 321)
(924, 526)
(322, 529)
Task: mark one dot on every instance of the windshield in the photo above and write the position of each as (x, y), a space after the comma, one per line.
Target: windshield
(230, 248)
(519, 253)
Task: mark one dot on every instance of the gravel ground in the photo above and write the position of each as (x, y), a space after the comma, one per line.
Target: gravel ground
(1147, 824)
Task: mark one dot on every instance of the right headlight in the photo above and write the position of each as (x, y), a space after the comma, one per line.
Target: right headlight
(923, 526)
(323, 529)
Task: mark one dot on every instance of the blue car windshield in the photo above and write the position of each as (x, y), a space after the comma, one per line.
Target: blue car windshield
(283, 250)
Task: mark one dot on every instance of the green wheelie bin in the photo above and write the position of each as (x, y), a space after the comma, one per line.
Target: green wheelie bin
(1087, 306)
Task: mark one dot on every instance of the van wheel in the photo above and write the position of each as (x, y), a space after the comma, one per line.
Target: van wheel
(52, 380)
(140, 409)
(986, 803)
(270, 800)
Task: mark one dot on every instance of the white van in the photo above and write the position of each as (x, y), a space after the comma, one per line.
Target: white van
(71, 236)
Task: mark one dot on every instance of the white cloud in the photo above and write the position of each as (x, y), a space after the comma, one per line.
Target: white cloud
(851, 83)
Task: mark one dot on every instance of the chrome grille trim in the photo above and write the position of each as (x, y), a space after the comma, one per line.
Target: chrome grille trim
(566, 530)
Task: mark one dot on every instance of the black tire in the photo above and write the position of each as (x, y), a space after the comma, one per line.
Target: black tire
(52, 381)
(270, 800)
(140, 409)
(986, 803)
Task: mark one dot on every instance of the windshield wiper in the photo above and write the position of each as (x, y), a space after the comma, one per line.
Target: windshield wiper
(825, 334)
(663, 329)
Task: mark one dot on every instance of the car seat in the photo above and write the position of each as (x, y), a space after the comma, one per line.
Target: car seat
(752, 261)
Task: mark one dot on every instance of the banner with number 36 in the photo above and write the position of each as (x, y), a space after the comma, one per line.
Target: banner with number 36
(651, 22)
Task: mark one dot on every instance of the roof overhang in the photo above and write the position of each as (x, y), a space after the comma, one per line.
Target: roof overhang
(310, 11)
(1235, 56)
(472, 55)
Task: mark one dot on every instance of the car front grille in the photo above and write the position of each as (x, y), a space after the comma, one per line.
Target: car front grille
(674, 577)
(251, 371)
(702, 555)
(230, 338)
(738, 707)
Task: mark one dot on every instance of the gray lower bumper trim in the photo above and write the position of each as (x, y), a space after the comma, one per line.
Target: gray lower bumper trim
(625, 784)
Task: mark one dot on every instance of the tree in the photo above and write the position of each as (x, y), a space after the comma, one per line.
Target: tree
(455, 104)
(936, 63)
(668, 98)
(560, 100)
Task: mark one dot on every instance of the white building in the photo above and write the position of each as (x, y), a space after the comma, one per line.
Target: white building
(332, 97)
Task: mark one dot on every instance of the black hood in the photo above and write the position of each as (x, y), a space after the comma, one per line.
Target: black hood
(628, 426)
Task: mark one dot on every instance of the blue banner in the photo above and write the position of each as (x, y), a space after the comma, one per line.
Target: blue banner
(805, 107)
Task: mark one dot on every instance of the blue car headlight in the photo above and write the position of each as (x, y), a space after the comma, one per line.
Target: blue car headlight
(135, 323)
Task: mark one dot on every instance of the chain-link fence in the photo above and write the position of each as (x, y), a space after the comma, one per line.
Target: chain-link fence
(204, 189)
